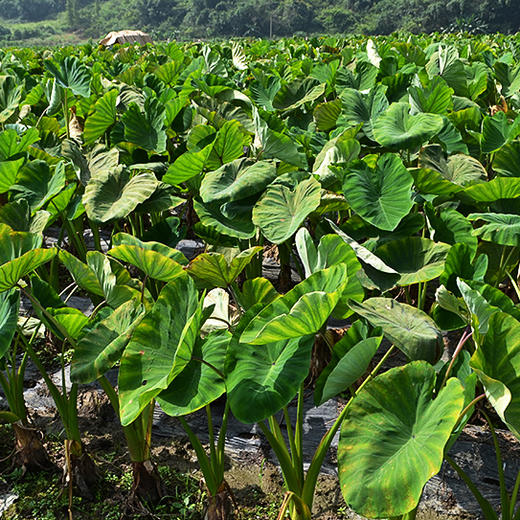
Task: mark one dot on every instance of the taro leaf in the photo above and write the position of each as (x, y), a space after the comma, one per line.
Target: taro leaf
(9, 307)
(483, 300)
(10, 97)
(393, 437)
(435, 98)
(98, 350)
(275, 144)
(301, 311)
(237, 180)
(349, 368)
(415, 259)
(200, 383)
(188, 165)
(81, 273)
(112, 195)
(12, 143)
(213, 270)
(380, 195)
(494, 190)
(14, 270)
(496, 132)
(256, 290)
(396, 128)
(497, 364)
(212, 217)
(364, 254)
(102, 117)
(71, 74)
(8, 172)
(331, 250)
(459, 169)
(37, 184)
(338, 150)
(499, 228)
(410, 329)
(282, 208)
(120, 239)
(450, 226)
(72, 321)
(160, 348)
(228, 145)
(461, 263)
(357, 332)
(432, 182)
(17, 216)
(145, 129)
(263, 92)
(263, 379)
(152, 263)
(506, 161)
(326, 115)
(362, 108)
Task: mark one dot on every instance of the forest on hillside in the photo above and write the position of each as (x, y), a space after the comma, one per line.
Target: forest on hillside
(254, 18)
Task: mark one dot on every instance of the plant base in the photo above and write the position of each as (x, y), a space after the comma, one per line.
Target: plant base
(80, 471)
(147, 482)
(30, 455)
(220, 505)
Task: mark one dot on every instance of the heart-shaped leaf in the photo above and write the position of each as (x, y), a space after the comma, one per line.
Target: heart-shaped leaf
(283, 208)
(393, 438)
(380, 195)
(409, 328)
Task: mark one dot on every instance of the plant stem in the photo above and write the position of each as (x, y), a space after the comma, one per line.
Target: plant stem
(463, 339)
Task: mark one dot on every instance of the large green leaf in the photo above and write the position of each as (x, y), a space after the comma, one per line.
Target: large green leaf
(213, 269)
(201, 381)
(435, 98)
(499, 228)
(396, 128)
(358, 107)
(37, 184)
(112, 195)
(497, 364)
(237, 180)
(8, 172)
(102, 117)
(81, 273)
(415, 259)
(160, 348)
(261, 380)
(120, 239)
(101, 347)
(393, 437)
(349, 368)
(12, 271)
(71, 74)
(277, 145)
(283, 208)
(409, 328)
(12, 143)
(154, 264)
(228, 145)
(10, 97)
(496, 132)
(380, 195)
(188, 165)
(146, 129)
(459, 169)
(9, 307)
(494, 190)
(302, 311)
(211, 216)
(507, 160)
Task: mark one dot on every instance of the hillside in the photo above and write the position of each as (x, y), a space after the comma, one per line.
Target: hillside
(68, 21)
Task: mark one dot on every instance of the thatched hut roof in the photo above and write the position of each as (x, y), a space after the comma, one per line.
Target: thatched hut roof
(126, 37)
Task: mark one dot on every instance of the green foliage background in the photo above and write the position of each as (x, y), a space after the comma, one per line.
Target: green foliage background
(52, 20)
